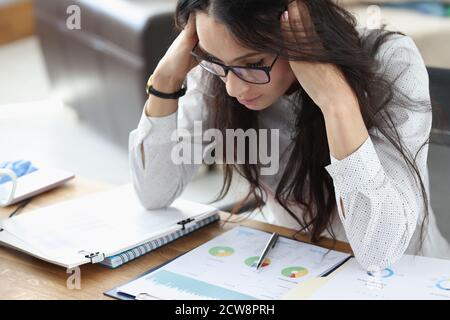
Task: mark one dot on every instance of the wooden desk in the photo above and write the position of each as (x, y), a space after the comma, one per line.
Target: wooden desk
(25, 277)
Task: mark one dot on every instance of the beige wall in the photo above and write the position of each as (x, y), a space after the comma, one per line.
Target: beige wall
(430, 33)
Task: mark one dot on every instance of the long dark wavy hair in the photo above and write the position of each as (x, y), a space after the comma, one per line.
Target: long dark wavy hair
(305, 182)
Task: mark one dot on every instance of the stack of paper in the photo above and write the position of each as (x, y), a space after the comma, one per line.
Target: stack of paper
(412, 278)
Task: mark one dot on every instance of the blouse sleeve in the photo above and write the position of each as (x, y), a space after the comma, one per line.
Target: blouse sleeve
(378, 198)
(157, 177)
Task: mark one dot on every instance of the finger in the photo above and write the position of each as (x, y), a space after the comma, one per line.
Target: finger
(302, 26)
(294, 14)
(296, 21)
(190, 27)
(286, 29)
(307, 20)
(292, 27)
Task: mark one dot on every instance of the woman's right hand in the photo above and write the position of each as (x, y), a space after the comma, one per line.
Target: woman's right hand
(178, 61)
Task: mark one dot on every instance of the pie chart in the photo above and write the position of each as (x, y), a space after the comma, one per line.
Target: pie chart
(294, 272)
(221, 251)
(444, 284)
(252, 261)
(385, 273)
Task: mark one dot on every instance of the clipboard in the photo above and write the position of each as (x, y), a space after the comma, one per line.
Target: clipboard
(114, 293)
(293, 294)
(191, 285)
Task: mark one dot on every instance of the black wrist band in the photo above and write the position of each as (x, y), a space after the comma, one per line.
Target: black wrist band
(175, 95)
(163, 95)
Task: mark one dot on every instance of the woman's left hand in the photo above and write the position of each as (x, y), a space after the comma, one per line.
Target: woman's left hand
(323, 82)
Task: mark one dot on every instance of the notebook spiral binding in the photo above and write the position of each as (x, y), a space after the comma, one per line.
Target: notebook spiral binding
(127, 256)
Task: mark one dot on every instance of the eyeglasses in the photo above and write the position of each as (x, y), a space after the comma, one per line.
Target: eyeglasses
(255, 75)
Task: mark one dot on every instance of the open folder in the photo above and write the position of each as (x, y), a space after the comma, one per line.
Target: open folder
(109, 227)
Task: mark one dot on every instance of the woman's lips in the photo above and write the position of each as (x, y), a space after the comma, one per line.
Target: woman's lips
(248, 101)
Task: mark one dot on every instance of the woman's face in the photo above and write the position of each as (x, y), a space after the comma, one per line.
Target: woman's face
(216, 40)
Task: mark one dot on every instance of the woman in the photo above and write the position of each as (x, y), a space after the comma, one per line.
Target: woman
(352, 106)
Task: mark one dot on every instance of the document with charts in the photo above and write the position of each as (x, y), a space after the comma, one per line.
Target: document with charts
(224, 268)
(412, 278)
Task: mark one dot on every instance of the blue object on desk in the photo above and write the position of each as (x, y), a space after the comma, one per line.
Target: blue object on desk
(20, 168)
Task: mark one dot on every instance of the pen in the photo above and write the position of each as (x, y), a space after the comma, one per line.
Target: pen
(272, 241)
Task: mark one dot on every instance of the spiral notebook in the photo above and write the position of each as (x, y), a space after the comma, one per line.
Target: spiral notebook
(108, 227)
(127, 256)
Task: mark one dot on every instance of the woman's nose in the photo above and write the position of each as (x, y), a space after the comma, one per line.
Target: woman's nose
(235, 86)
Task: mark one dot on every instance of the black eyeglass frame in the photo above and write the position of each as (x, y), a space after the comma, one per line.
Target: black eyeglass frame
(225, 68)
